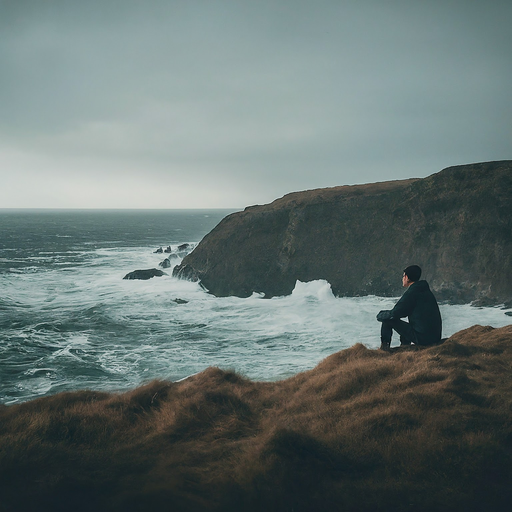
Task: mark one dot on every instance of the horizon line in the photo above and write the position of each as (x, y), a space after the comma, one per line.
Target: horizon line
(113, 209)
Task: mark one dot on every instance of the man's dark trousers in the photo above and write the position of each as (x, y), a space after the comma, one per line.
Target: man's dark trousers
(407, 333)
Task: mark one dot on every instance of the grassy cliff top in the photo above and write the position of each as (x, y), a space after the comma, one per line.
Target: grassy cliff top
(413, 429)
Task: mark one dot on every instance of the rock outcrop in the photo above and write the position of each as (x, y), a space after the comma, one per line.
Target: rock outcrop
(165, 263)
(145, 274)
(456, 224)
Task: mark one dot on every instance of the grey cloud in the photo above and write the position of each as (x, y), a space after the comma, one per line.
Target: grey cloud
(292, 93)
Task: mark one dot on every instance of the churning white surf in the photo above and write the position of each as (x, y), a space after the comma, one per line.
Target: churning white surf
(72, 322)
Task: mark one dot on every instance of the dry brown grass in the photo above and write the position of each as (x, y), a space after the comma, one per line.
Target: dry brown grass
(425, 429)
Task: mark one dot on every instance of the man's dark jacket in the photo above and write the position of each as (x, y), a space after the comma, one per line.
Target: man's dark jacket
(420, 306)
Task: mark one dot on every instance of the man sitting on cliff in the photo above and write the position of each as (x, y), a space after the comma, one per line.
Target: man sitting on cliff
(420, 306)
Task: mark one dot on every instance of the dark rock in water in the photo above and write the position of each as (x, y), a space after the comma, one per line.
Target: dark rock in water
(145, 274)
(159, 251)
(166, 263)
(183, 250)
(484, 302)
(186, 272)
(169, 249)
(180, 301)
(508, 313)
(456, 224)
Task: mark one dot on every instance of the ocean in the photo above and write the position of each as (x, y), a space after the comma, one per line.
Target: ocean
(69, 321)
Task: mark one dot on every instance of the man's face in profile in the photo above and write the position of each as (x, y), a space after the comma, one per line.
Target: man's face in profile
(406, 281)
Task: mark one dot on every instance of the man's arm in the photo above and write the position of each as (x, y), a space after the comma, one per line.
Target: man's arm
(385, 314)
(405, 305)
(402, 308)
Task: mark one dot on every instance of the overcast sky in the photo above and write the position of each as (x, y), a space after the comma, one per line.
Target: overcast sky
(218, 103)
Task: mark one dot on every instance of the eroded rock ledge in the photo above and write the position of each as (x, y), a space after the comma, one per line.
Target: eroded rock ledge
(456, 224)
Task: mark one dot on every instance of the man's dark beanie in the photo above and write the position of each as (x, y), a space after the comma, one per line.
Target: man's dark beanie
(413, 272)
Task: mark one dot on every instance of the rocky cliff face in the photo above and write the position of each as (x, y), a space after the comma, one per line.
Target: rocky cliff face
(456, 224)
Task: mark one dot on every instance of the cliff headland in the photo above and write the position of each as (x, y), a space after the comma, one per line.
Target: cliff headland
(456, 224)
(366, 430)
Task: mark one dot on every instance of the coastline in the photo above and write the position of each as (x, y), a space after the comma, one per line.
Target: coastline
(425, 429)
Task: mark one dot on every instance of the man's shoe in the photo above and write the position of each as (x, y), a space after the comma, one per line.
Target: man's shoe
(385, 346)
(404, 341)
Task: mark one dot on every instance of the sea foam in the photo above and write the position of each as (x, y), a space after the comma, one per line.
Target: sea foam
(71, 322)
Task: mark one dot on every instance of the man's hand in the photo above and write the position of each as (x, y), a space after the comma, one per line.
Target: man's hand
(384, 315)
